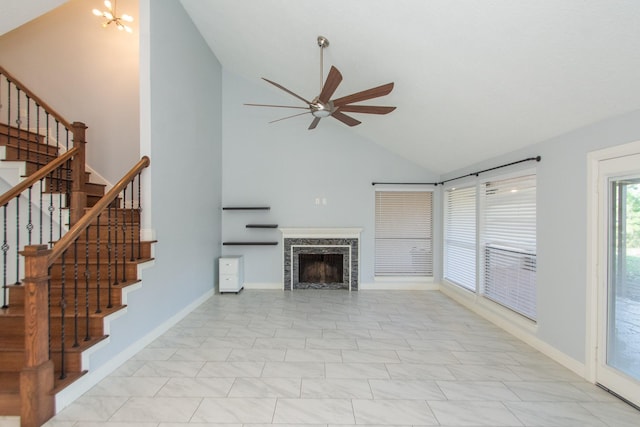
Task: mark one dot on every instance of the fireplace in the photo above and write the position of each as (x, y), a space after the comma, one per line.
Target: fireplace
(320, 268)
(321, 258)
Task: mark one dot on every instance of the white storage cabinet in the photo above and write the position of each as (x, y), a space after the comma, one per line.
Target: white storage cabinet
(231, 273)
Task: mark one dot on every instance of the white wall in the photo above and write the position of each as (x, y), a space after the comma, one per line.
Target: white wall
(86, 73)
(185, 174)
(181, 132)
(562, 227)
(285, 166)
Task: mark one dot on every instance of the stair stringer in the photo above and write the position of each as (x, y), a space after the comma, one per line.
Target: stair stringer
(72, 392)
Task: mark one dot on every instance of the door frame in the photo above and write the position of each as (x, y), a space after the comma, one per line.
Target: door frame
(596, 250)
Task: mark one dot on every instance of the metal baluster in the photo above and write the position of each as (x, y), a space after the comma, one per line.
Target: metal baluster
(59, 185)
(42, 181)
(8, 110)
(63, 310)
(41, 210)
(5, 248)
(50, 208)
(139, 217)
(30, 219)
(131, 226)
(115, 245)
(124, 236)
(98, 309)
(109, 249)
(87, 276)
(49, 309)
(18, 121)
(17, 240)
(75, 294)
(28, 127)
(38, 138)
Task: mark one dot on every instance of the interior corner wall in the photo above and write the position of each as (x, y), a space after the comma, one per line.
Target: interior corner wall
(562, 187)
(317, 178)
(184, 176)
(87, 74)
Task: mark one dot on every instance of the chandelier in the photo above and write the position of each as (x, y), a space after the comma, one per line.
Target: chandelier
(111, 16)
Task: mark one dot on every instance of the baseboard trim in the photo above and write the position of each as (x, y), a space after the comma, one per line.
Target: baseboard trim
(399, 286)
(82, 385)
(263, 286)
(512, 323)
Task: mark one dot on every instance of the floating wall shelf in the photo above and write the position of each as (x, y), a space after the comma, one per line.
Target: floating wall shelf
(249, 243)
(246, 208)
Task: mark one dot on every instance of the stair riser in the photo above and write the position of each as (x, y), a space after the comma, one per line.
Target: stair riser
(10, 404)
(15, 154)
(17, 300)
(144, 250)
(96, 327)
(12, 360)
(32, 146)
(130, 271)
(113, 232)
(14, 133)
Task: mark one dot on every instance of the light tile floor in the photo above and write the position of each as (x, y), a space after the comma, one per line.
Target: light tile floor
(333, 358)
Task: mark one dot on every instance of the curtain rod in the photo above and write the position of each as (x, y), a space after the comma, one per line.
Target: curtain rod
(529, 159)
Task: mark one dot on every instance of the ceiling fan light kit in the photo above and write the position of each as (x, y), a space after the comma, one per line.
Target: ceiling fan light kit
(323, 106)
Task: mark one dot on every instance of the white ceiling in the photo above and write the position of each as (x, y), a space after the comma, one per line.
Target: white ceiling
(473, 78)
(14, 13)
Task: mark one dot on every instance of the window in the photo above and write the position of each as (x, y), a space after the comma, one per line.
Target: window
(460, 237)
(508, 243)
(404, 233)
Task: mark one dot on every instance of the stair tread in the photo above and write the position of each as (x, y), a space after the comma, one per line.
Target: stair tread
(9, 382)
(60, 384)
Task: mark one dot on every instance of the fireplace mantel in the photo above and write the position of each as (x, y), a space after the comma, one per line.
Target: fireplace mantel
(321, 232)
(344, 241)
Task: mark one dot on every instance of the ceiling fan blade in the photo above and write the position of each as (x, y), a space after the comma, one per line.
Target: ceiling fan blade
(314, 123)
(347, 120)
(330, 85)
(364, 95)
(286, 90)
(288, 117)
(278, 106)
(367, 109)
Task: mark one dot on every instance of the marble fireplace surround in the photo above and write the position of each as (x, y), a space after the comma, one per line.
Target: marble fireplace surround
(345, 241)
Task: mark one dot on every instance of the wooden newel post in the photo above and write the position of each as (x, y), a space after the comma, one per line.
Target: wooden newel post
(78, 200)
(37, 376)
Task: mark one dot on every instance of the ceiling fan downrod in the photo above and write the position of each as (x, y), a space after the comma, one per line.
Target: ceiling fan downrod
(322, 42)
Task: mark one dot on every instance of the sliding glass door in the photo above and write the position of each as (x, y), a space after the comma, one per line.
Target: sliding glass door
(619, 294)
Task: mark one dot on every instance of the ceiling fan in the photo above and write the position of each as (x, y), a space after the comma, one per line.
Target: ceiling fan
(323, 106)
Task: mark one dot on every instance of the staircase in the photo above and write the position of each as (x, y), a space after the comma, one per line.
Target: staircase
(70, 277)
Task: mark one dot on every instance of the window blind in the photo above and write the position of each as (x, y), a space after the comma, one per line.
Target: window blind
(460, 237)
(508, 243)
(404, 233)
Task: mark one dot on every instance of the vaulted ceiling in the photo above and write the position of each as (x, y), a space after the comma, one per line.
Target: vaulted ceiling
(473, 78)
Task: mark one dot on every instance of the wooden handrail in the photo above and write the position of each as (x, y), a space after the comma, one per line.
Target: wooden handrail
(36, 98)
(65, 242)
(37, 176)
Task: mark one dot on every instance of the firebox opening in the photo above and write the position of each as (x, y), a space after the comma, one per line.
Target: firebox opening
(320, 268)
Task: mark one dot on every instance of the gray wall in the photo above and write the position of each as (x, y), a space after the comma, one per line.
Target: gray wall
(562, 225)
(286, 166)
(185, 175)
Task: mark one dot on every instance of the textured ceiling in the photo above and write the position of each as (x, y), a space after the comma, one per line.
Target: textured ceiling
(473, 78)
